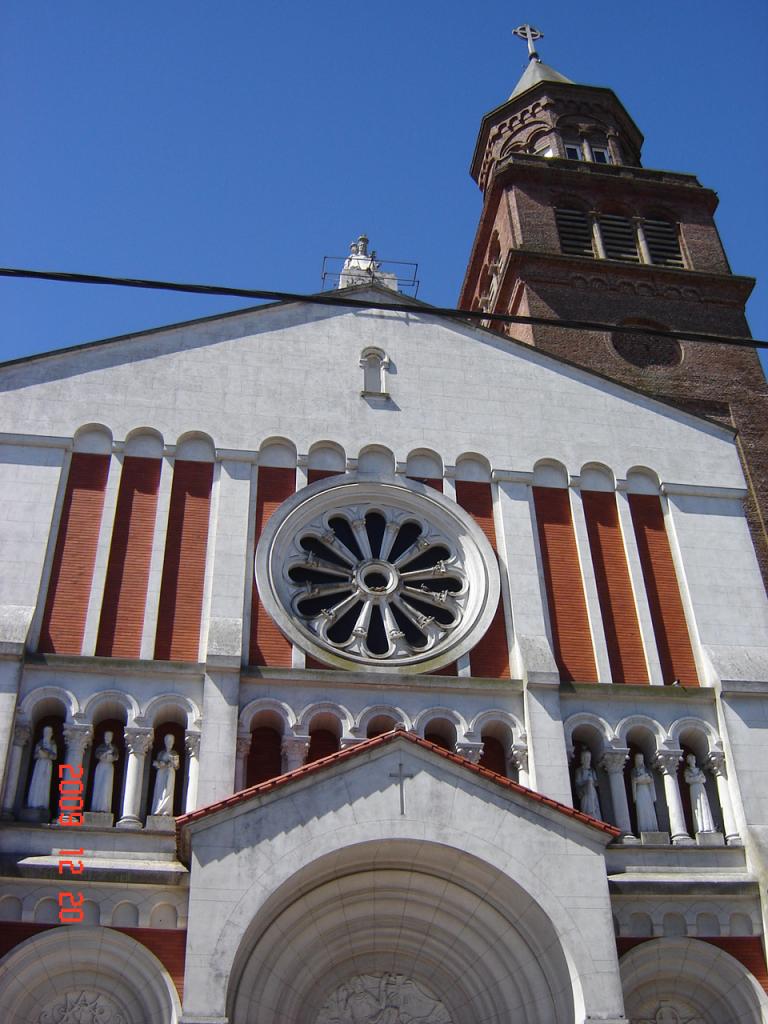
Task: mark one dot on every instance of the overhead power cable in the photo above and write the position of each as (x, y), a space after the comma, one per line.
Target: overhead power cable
(334, 299)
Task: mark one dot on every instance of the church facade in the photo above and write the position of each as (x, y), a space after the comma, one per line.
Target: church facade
(366, 666)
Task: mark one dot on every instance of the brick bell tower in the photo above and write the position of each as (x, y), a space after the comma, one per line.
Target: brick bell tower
(574, 227)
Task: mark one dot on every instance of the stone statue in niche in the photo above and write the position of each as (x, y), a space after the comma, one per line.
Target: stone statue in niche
(167, 764)
(585, 781)
(104, 777)
(45, 754)
(697, 780)
(644, 795)
(382, 999)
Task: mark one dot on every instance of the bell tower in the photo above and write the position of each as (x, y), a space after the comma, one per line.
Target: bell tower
(573, 227)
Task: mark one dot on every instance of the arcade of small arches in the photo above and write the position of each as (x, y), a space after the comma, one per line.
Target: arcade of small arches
(273, 739)
(100, 908)
(75, 733)
(371, 461)
(646, 919)
(640, 744)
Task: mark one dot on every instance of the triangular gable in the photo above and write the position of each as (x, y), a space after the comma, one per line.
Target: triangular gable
(325, 764)
(369, 296)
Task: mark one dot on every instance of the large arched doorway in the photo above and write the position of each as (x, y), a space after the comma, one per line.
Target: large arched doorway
(86, 975)
(680, 980)
(405, 932)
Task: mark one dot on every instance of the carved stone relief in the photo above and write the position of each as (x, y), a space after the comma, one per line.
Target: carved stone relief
(382, 999)
(83, 1007)
(666, 1012)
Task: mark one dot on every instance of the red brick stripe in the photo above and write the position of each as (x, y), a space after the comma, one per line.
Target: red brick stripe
(667, 615)
(614, 588)
(435, 482)
(314, 475)
(268, 645)
(69, 589)
(181, 590)
(125, 589)
(490, 657)
(571, 635)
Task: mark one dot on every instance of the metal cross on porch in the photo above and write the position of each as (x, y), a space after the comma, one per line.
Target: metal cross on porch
(401, 777)
(530, 34)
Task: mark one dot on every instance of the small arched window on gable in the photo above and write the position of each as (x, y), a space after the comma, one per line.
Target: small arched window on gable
(374, 363)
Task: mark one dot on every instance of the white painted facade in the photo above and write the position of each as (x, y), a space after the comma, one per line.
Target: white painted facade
(295, 892)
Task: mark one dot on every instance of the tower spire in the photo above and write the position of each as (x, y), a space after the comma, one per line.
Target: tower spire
(530, 34)
(536, 71)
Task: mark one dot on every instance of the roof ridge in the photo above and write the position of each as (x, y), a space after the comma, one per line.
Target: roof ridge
(370, 744)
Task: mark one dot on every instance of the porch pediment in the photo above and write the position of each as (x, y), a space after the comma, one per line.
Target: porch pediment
(396, 863)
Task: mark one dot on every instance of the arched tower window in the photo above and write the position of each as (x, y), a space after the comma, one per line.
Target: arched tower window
(619, 238)
(575, 231)
(374, 363)
(663, 241)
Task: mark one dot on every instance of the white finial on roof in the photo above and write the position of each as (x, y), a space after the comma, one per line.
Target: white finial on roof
(361, 267)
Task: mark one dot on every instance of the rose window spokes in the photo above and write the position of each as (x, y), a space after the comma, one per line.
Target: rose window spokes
(376, 582)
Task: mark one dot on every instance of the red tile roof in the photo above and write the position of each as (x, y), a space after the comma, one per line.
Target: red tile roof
(379, 741)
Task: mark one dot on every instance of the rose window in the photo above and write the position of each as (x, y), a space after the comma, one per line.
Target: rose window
(377, 574)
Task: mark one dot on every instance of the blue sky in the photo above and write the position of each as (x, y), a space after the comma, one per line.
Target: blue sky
(239, 142)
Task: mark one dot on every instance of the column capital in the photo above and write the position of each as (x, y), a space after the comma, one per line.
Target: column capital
(294, 750)
(518, 754)
(715, 762)
(612, 761)
(667, 761)
(78, 736)
(192, 743)
(243, 744)
(471, 751)
(22, 734)
(139, 741)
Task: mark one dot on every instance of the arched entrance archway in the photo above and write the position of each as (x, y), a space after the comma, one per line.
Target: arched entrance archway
(85, 974)
(422, 930)
(686, 979)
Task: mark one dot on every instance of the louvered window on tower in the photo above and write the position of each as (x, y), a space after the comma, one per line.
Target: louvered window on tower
(663, 243)
(575, 232)
(619, 239)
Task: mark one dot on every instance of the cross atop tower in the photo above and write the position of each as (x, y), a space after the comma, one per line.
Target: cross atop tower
(530, 34)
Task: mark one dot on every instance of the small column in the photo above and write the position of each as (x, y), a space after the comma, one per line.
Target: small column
(597, 238)
(243, 749)
(666, 762)
(613, 146)
(76, 739)
(612, 762)
(22, 734)
(715, 761)
(518, 757)
(137, 743)
(295, 750)
(472, 751)
(642, 244)
(192, 746)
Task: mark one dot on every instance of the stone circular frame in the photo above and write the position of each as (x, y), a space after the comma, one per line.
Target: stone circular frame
(390, 577)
